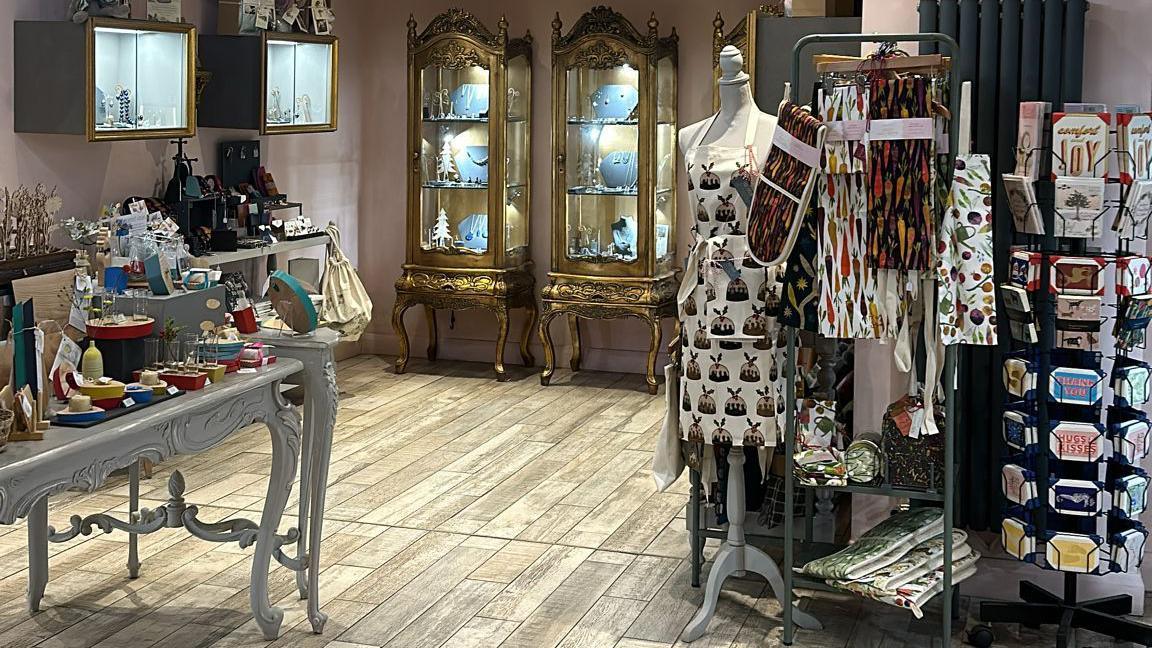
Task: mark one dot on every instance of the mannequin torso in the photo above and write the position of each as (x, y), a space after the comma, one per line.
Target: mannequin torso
(728, 126)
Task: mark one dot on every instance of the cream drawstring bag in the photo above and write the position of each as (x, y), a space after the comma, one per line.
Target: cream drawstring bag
(347, 307)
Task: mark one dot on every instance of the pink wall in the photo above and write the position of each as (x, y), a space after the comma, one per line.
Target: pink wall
(618, 345)
(321, 170)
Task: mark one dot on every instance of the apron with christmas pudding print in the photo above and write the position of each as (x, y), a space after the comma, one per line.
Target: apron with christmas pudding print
(730, 369)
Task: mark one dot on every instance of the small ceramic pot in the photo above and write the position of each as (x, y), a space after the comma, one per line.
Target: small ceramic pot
(614, 101)
(472, 232)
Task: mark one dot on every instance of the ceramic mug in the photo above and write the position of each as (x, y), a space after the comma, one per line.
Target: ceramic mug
(619, 169)
(472, 162)
(473, 232)
(470, 100)
(614, 101)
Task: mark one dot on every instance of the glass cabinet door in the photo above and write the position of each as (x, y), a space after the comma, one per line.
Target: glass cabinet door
(454, 129)
(664, 222)
(299, 85)
(602, 164)
(517, 131)
(141, 80)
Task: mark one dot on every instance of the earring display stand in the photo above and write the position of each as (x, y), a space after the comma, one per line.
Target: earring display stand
(1108, 615)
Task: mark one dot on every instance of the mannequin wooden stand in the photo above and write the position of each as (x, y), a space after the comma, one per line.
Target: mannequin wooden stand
(736, 557)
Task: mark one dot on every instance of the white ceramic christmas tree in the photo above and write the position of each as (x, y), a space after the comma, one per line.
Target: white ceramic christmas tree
(441, 237)
(446, 165)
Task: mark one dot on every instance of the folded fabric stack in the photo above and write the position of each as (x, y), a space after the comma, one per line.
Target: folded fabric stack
(820, 467)
(899, 562)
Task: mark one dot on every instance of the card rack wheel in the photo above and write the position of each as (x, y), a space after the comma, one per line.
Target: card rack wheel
(981, 636)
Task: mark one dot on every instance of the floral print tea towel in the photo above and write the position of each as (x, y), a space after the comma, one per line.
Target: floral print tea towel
(967, 296)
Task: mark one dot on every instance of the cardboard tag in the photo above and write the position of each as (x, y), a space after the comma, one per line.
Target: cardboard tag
(784, 141)
(246, 370)
(127, 402)
(172, 390)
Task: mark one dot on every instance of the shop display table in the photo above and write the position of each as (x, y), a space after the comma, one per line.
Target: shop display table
(84, 458)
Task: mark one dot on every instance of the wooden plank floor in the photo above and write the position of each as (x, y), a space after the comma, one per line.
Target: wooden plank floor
(461, 512)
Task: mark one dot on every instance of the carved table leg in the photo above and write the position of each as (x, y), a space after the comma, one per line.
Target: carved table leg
(37, 553)
(307, 469)
(546, 342)
(501, 311)
(433, 337)
(402, 305)
(284, 428)
(653, 352)
(323, 399)
(526, 335)
(574, 334)
(133, 510)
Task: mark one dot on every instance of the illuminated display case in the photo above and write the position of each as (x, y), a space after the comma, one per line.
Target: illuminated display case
(273, 82)
(107, 79)
(469, 116)
(614, 183)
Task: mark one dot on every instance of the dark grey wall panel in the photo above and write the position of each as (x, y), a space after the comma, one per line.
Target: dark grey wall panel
(49, 80)
(775, 37)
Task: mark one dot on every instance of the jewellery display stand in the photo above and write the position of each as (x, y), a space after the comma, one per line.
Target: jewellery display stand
(469, 121)
(614, 181)
(1097, 460)
(275, 83)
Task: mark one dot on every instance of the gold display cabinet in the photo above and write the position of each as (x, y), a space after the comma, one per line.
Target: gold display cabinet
(469, 111)
(614, 178)
(107, 78)
(743, 33)
(276, 83)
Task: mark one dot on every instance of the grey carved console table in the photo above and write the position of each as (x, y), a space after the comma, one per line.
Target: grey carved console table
(83, 459)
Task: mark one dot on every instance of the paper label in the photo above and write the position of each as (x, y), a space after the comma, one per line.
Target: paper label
(290, 14)
(839, 131)
(246, 370)
(127, 402)
(207, 382)
(172, 390)
(26, 405)
(784, 141)
(915, 128)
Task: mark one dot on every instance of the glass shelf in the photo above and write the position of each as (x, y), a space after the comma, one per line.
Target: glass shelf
(593, 121)
(602, 191)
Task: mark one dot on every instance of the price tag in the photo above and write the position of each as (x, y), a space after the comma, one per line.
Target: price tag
(207, 382)
(172, 390)
(127, 402)
(26, 405)
(246, 370)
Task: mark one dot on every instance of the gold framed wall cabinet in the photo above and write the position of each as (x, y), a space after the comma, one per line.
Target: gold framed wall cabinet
(275, 83)
(106, 78)
(469, 126)
(614, 178)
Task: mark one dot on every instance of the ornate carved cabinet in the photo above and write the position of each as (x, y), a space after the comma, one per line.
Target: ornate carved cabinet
(469, 112)
(614, 178)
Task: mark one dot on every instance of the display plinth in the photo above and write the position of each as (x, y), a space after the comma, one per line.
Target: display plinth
(614, 180)
(578, 296)
(499, 291)
(469, 125)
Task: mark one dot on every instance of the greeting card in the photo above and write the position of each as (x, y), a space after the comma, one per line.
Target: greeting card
(1019, 379)
(1024, 269)
(1079, 203)
(1080, 144)
(1073, 441)
(1076, 497)
(1129, 440)
(1128, 548)
(1130, 382)
(1022, 322)
(1132, 319)
(1019, 430)
(1016, 538)
(1133, 275)
(1074, 552)
(1130, 495)
(1077, 275)
(1132, 216)
(1030, 138)
(1134, 146)
(1019, 485)
(1076, 386)
(1026, 217)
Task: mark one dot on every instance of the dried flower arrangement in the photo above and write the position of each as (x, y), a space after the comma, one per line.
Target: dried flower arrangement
(27, 221)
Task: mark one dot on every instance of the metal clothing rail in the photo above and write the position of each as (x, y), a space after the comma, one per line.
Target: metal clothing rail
(950, 357)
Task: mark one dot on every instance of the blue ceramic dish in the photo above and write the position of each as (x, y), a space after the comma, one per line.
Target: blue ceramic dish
(94, 414)
(139, 393)
(473, 164)
(470, 100)
(614, 101)
(473, 232)
(619, 169)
